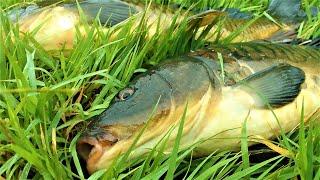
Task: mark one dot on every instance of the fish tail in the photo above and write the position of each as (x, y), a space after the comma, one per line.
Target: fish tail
(286, 35)
(315, 43)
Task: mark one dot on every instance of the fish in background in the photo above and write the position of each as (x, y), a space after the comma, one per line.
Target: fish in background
(54, 26)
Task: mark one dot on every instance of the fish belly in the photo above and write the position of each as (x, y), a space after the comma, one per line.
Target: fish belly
(223, 127)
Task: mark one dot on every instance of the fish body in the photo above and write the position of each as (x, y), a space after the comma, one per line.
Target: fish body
(218, 99)
(260, 29)
(55, 26)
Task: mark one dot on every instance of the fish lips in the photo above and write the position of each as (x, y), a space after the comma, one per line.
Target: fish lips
(91, 146)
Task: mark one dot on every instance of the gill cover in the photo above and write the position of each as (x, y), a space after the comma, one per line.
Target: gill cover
(158, 93)
(175, 81)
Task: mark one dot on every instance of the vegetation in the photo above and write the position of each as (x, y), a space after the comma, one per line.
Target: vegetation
(46, 100)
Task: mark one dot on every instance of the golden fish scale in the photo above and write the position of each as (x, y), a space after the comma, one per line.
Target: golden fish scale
(57, 25)
(217, 118)
(54, 27)
(260, 29)
(152, 136)
(226, 119)
(224, 123)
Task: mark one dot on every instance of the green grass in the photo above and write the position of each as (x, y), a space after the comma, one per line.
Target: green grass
(45, 101)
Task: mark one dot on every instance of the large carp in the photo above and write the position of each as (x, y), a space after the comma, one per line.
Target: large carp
(266, 84)
(55, 26)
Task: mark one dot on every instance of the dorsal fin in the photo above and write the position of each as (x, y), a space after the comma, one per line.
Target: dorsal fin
(205, 18)
(17, 13)
(54, 2)
(111, 12)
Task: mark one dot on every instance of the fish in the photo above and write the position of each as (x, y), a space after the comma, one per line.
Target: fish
(311, 42)
(55, 25)
(217, 90)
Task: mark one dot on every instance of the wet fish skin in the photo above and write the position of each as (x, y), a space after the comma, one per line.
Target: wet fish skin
(217, 107)
(55, 25)
(58, 22)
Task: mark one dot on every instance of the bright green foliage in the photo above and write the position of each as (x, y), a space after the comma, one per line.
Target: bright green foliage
(46, 99)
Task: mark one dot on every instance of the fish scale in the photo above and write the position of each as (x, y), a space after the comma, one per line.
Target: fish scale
(257, 76)
(267, 50)
(57, 23)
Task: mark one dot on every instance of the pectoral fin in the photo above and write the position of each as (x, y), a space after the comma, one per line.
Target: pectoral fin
(110, 12)
(275, 86)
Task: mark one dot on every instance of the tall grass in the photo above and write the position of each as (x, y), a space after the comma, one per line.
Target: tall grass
(45, 100)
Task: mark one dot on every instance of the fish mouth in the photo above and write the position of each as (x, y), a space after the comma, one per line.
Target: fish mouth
(91, 148)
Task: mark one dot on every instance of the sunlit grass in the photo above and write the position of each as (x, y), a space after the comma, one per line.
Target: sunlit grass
(45, 100)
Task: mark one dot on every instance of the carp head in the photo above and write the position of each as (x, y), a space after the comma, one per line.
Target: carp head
(158, 97)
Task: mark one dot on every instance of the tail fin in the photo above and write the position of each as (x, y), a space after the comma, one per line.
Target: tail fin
(312, 42)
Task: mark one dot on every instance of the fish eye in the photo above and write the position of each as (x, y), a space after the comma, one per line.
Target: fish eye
(125, 94)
